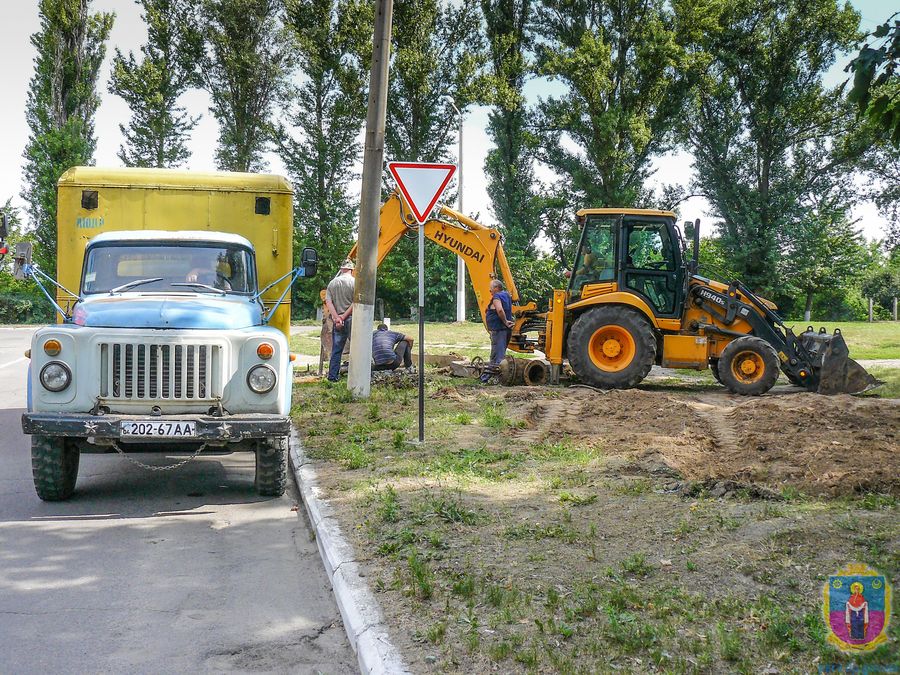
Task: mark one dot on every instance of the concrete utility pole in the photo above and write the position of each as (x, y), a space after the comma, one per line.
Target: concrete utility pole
(360, 374)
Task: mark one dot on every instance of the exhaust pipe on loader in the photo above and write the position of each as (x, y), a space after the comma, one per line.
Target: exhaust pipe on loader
(836, 372)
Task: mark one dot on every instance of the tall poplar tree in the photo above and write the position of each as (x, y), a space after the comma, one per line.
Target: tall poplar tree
(762, 119)
(508, 165)
(62, 101)
(333, 42)
(244, 70)
(156, 134)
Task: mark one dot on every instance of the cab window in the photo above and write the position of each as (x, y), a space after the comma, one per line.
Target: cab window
(596, 260)
(650, 264)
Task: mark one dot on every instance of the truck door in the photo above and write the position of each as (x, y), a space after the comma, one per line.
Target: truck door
(650, 264)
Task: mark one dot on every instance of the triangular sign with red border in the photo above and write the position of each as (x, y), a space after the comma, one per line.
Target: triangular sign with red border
(421, 184)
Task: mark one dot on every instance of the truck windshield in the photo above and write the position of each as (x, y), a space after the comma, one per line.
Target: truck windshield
(167, 267)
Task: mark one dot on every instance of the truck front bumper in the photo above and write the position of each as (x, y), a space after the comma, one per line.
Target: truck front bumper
(213, 430)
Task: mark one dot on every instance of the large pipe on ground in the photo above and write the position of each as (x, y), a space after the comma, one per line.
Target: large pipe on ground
(536, 372)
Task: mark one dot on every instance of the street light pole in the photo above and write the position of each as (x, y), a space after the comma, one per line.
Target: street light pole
(460, 265)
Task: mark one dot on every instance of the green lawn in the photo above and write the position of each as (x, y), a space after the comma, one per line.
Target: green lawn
(879, 340)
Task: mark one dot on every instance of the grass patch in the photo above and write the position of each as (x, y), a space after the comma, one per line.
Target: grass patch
(891, 379)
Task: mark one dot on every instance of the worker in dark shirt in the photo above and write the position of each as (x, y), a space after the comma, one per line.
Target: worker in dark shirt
(498, 319)
(391, 349)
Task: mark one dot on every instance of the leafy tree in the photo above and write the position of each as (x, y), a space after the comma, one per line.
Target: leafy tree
(881, 166)
(508, 165)
(824, 253)
(244, 69)
(876, 79)
(883, 282)
(333, 44)
(20, 301)
(437, 53)
(759, 110)
(62, 101)
(156, 134)
(627, 72)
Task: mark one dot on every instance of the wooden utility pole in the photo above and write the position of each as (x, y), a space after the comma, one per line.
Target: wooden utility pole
(360, 374)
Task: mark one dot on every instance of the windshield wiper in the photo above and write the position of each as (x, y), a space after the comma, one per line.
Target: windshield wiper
(197, 284)
(132, 284)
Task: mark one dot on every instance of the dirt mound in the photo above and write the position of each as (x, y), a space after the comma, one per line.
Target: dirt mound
(817, 444)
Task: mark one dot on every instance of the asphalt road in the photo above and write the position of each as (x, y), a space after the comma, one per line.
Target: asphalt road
(177, 572)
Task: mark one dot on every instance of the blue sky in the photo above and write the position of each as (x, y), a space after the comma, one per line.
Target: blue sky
(20, 21)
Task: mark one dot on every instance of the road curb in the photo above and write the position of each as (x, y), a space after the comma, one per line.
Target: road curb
(359, 609)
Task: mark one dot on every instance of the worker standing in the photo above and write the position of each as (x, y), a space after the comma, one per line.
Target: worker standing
(498, 319)
(339, 303)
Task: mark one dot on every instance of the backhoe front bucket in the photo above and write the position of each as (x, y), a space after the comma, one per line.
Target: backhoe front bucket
(839, 374)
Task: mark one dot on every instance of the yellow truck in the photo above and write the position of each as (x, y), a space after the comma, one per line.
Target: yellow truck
(176, 338)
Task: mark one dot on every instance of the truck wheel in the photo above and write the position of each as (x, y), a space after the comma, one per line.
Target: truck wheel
(270, 467)
(54, 466)
(748, 366)
(611, 347)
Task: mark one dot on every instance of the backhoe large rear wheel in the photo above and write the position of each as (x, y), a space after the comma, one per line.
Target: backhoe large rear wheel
(748, 366)
(611, 347)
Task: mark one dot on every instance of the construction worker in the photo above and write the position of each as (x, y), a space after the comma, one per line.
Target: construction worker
(339, 303)
(498, 319)
(391, 349)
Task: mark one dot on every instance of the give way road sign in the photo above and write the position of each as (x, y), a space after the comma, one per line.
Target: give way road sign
(421, 184)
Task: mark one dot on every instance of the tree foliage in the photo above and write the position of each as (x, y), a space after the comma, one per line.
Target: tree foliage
(437, 58)
(763, 128)
(158, 130)
(876, 79)
(62, 101)
(509, 164)
(626, 75)
(332, 41)
(247, 59)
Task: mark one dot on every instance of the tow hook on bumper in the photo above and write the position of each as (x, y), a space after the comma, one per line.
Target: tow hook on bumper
(227, 429)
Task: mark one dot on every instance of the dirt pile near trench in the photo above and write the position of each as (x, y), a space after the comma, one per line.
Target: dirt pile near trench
(833, 445)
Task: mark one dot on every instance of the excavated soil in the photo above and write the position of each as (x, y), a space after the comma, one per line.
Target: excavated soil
(823, 445)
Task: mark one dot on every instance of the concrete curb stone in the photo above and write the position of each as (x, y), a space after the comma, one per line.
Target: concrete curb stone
(359, 609)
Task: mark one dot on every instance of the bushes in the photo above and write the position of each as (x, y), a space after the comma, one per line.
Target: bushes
(22, 302)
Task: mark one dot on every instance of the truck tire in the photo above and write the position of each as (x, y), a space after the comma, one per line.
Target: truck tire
(611, 347)
(270, 467)
(54, 466)
(748, 366)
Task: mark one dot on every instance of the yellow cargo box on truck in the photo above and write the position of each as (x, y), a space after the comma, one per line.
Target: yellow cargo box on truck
(93, 200)
(169, 283)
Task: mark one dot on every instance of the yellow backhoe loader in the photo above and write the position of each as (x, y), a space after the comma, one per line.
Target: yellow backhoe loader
(634, 300)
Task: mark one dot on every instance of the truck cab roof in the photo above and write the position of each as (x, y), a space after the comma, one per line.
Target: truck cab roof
(185, 236)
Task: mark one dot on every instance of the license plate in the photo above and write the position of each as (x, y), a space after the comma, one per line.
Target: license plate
(154, 429)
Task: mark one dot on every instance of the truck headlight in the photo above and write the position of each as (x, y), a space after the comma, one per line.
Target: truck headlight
(55, 376)
(261, 379)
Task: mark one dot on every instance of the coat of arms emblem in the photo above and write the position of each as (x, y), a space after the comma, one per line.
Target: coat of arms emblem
(857, 608)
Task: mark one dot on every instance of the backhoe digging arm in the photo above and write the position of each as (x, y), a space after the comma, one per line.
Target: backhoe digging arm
(480, 248)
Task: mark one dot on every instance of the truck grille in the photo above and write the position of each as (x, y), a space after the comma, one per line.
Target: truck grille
(132, 371)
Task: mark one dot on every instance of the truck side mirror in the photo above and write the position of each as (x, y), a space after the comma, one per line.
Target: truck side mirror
(688, 229)
(309, 260)
(4, 229)
(21, 259)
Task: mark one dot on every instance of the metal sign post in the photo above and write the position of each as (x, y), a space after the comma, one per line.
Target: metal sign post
(421, 185)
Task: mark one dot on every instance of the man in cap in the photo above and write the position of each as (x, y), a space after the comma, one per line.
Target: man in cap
(339, 303)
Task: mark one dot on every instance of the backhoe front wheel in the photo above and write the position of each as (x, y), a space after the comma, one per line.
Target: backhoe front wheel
(611, 347)
(54, 467)
(748, 366)
(270, 466)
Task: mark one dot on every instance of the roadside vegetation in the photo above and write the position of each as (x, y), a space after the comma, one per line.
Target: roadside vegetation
(513, 541)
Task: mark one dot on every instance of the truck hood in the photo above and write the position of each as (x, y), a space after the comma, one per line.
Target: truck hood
(135, 310)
